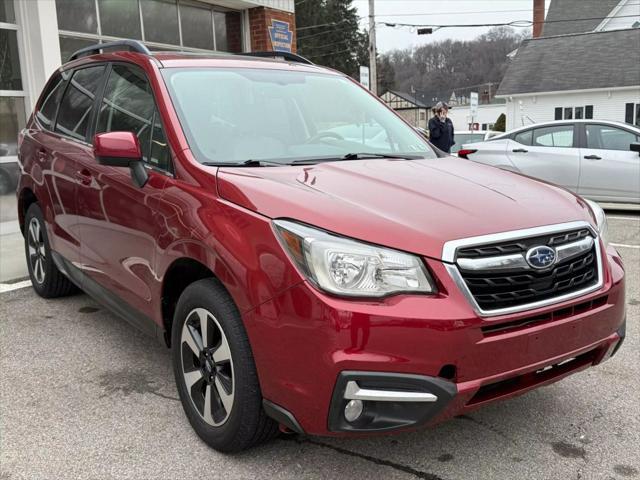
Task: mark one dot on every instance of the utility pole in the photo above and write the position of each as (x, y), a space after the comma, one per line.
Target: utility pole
(372, 48)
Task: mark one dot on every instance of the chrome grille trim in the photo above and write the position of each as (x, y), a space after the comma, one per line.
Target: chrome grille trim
(449, 257)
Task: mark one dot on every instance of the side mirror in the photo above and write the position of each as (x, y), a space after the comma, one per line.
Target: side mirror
(635, 147)
(121, 149)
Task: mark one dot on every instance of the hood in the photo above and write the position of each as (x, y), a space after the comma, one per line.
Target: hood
(415, 206)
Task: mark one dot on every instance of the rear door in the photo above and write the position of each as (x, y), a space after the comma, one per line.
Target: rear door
(61, 143)
(549, 153)
(610, 171)
(119, 224)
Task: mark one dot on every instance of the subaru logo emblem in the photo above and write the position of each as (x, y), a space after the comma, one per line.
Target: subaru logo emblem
(541, 257)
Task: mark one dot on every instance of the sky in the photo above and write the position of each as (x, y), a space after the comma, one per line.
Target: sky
(439, 12)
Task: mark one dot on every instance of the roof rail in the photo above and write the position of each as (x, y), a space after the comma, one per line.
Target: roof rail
(132, 45)
(288, 56)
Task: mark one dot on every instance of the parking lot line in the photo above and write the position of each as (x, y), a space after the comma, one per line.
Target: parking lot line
(624, 245)
(9, 287)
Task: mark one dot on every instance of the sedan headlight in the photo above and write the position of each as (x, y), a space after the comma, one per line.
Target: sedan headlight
(350, 268)
(601, 221)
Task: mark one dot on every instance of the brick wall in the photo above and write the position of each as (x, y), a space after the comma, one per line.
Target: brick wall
(259, 23)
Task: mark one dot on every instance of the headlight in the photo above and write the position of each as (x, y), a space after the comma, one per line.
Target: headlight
(601, 221)
(350, 268)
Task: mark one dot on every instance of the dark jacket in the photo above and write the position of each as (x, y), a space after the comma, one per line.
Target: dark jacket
(441, 133)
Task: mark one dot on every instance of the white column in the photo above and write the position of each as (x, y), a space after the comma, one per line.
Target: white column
(39, 45)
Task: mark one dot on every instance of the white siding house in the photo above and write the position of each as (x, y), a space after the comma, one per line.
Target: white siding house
(487, 116)
(581, 75)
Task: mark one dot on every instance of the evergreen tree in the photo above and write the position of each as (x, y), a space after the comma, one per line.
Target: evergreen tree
(329, 34)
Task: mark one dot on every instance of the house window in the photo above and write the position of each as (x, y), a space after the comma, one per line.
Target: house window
(632, 114)
(588, 112)
(569, 113)
(558, 113)
(423, 115)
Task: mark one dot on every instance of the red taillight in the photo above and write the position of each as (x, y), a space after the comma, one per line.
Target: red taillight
(465, 152)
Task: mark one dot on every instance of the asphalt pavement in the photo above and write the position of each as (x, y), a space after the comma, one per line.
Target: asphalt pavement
(84, 395)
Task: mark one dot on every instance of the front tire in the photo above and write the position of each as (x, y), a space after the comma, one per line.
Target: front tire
(215, 372)
(47, 280)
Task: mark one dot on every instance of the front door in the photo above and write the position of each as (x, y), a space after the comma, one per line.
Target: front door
(610, 171)
(118, 220)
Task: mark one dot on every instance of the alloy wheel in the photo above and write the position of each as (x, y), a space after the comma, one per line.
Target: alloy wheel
(207, 366)
(37, 253)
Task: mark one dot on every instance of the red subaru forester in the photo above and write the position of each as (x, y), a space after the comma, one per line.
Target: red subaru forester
(311, 261)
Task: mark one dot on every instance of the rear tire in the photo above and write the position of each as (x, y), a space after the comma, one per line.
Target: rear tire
(215, 372)
(47, 280)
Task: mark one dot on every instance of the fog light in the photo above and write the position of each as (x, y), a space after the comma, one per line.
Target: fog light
(353, 410)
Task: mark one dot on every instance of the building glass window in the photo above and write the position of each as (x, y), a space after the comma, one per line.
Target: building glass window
(181, 25)
(160, 19)
(197, 26)
(579, 113)
(12, 120)
(632, 114)
(120, 19)
(77, 15)
(7, 13)
(10, 77)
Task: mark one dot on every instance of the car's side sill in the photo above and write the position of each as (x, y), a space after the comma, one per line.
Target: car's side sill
(106, 298)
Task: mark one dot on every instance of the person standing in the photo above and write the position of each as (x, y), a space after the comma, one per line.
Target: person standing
(441, 128)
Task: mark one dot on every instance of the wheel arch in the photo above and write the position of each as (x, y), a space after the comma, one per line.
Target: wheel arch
(181, 273)
(25, 199)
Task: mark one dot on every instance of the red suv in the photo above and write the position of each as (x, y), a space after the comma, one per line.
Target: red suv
(310, 260)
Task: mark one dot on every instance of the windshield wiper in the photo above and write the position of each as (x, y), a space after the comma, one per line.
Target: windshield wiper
(357, 156)
(245, 163)
(365, 155)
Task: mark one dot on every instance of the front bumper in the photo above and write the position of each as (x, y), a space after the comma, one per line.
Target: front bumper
(306, 343)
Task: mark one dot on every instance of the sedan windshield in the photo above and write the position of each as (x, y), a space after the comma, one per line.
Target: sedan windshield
(231, 116)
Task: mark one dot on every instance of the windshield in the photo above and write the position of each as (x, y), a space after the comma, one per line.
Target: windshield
(462, 138)
(237, 115)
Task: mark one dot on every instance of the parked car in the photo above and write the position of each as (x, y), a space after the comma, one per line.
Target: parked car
(302, 280)
(471, 136)
(596, 159)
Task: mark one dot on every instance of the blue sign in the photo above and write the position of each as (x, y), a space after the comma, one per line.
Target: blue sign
(281, 36)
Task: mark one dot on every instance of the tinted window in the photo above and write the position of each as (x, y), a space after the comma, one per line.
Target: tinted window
(579, 113)
(524, 138)
(128, 105)
(75, 110)
(561, 136)
(50, 100)
(609, 138)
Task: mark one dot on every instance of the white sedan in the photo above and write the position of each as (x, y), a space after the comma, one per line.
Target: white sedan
(597, 159)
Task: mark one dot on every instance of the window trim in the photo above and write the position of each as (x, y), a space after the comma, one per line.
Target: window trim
(99, 99)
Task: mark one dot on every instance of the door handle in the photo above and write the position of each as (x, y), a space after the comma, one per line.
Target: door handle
(84, 177)
(520, 150)
(592, 157)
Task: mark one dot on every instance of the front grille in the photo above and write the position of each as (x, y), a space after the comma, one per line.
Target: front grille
(512, 287)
